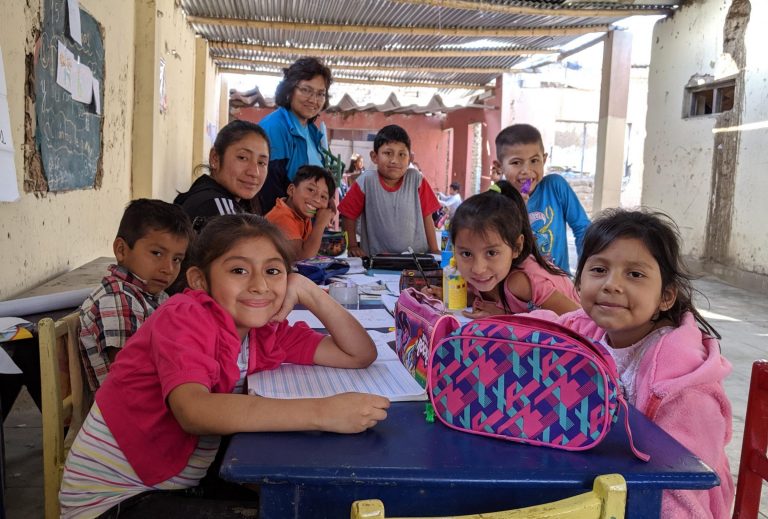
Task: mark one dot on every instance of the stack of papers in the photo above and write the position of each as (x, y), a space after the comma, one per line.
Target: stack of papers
(14, 329)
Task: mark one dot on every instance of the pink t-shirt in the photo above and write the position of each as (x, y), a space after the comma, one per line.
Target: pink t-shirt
(543, 285)
(189, 339)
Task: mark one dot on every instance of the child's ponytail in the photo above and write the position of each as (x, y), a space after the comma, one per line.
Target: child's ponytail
(529, 241)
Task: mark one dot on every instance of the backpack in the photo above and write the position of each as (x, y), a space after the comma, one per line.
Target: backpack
(419, 321)
(527, 380)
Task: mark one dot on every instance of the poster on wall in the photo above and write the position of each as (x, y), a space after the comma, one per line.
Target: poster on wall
(163, 96)
(9, 189)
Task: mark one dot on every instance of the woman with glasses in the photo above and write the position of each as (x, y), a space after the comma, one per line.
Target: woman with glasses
(295, 139)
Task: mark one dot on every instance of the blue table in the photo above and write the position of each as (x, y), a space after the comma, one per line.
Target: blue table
(425, 469)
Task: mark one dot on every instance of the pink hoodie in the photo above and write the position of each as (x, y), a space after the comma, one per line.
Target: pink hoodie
(680, 388)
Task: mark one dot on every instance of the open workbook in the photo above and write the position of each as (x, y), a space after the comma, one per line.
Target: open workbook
(386, 377)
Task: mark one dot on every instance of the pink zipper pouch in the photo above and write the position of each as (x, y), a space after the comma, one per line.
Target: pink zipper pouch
(420, 320)
(527, 380)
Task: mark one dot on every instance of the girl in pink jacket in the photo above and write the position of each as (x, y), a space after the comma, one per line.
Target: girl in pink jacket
(636, 297)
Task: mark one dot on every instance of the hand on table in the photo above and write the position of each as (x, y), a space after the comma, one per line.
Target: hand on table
(352, 412)
(355, 251)
(481, 308)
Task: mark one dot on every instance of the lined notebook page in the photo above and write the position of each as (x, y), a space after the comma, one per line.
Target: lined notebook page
(387, 378)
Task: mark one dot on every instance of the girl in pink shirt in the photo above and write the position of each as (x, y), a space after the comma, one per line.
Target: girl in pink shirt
(637, 298)
(496, 254)
(177, 385)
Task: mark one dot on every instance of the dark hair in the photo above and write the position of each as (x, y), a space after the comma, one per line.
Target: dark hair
(391, 133)
(517, 134)
(144, 215)
(504, 213)
(455, 186)
(221, 233)
(353, 163)
(309, 172)
(233, 132)
(303, 69)
(658, 232)
(229, 134)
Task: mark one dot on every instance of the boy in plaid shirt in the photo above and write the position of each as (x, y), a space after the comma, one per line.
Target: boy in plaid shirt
(150, 245)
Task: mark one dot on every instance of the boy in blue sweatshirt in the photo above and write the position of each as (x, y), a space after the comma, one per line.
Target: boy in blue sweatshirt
(551, 202)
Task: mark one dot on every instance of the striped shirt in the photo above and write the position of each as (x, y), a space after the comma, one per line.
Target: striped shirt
(97, 476)
(109, 316)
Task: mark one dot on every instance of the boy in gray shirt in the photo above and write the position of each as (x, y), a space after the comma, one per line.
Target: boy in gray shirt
(394, 203)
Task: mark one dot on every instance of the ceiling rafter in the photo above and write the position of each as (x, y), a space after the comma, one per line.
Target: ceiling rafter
(480, 32)
(377, 68)
(469, 5)
(337, 79)
(377, 53)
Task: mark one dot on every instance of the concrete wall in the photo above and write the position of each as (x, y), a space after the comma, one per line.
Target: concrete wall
(749, 240)
(206, 111)
(163, 139)
(681, 155)
(144, 153)
(45, 234)
(425, 133)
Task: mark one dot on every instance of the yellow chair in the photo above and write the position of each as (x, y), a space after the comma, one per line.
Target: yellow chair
(65, 399)
(607, 500)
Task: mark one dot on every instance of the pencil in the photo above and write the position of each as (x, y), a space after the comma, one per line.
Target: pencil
(418, 266)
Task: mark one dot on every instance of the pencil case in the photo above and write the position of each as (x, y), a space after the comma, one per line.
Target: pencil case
(420, 320)
(526, 380)
(387, 261)
(412, 278)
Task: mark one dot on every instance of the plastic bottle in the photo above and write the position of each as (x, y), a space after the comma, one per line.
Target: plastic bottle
(447, 253)
(454, 287)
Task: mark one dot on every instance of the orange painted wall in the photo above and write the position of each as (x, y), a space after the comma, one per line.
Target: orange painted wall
(425, 131)
(427, 139)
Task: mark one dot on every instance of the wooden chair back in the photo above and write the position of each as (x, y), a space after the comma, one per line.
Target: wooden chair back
(65, 399)
(608, 499)
(753, 467)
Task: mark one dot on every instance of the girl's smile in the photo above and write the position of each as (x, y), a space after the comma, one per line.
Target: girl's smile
(483, 259)
(621, 290)
(249, 281)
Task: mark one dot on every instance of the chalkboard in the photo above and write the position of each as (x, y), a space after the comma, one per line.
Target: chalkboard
(68, 133)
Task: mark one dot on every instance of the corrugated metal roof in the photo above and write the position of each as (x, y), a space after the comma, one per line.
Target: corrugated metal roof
(364, 40)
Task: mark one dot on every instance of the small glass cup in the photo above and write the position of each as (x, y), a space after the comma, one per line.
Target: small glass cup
(345, 294)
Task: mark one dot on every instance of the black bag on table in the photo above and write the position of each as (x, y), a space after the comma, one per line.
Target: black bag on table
(390, 261)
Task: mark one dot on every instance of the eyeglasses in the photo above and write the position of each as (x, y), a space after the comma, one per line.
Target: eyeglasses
(310, 93)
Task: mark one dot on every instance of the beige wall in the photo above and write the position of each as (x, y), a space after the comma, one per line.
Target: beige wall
(163, 141)
(679, 152)
(45, 235)
(145, 153)
(207, 92)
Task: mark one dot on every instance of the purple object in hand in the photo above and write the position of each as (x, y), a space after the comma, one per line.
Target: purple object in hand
(526, 187)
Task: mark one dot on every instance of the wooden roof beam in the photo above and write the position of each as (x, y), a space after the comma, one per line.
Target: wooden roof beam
(483, 32)
(445, 86)
(375, 53)
(469, 5)
(365, 68)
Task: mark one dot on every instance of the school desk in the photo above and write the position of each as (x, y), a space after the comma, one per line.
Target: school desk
(423, 469)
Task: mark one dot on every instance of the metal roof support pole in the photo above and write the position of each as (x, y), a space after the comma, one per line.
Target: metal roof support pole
(611, 128)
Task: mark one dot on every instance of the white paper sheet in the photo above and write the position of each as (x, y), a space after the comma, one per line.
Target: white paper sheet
(82, 83)
(389, 300)
(65, 67)
(369, 318)
(7, 366)
(74, 20)
(9, 188)
(46, 303)
(97, 95)
(386, 378)
(382, 340)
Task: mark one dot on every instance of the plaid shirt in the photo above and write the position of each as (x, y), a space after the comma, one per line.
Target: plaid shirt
(109, 316)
